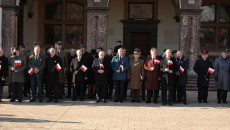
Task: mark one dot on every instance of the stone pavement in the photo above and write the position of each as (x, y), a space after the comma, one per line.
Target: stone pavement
(140, 116)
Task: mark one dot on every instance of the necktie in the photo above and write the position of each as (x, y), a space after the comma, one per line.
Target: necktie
(36, 61)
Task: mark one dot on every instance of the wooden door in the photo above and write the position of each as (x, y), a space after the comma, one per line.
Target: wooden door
(141, 40)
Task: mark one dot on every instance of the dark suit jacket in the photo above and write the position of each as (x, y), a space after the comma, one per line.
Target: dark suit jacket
(41, 64)
(184, 63)
(75, 66)
(168, 78)
(96, 66)
(4, 69)
(52, 74)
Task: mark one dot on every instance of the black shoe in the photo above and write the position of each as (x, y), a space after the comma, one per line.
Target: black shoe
(103, 100)
(40, 100)
(199, 101)
(155, 102)
(9, 96)
(121, 101)
(74, 99)
(205, 101)
(55, 101)
(32, 100)
(163, 104)
(178, 101)
(19, 100)
(148, 101)
(116, 101)
(224, 101)
(98, 101)
(12, 100)
(133, 101)
(25, 95)
(219, 102)
(185, 103)
(170, 104)
(49, 100)
(138, 101)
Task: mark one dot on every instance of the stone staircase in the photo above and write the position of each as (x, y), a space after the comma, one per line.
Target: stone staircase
(192, 84)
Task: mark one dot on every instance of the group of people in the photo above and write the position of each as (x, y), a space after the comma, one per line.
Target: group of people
(100, 71)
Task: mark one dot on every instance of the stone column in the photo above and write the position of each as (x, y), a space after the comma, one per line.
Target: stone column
(190, 35)
(0, 27)
(97, 18)
(9, 25)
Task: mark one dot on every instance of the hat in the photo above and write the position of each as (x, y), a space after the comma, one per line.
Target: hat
(58, 43)
(136, 53)
(137, 49)
(36, 43)
(174, 51)
(204, 52)
(224, 51)
(93, 52)
(82, 46)
(119, 41)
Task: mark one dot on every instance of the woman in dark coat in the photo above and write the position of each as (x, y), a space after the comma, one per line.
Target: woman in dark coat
(222, 67)
(153, 75)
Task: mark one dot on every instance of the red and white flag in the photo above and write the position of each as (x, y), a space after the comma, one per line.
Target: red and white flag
(83, 68)
(170, 62)
(18, 63)
(31, 71)
(58, 67)
(181, 69)
(210, 70)
(141, 78)
(157, 62)
(122, 68)
(101, 66)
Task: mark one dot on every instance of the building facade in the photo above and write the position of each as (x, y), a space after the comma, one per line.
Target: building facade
(187, 25)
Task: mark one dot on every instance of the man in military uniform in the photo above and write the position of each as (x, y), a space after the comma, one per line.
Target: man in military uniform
(53, 66)
(17, 66)
(168, 68)
(3, 71)
(63, 55)
(183, 64)
(36, 65)
(27, 82)
(202, 67)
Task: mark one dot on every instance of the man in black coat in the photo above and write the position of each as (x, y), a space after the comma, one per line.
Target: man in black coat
(168, 68)
(183, 64)
(53, 66)
(202, 67)
(80, 74)
(101, 67)
(3, 71)
(175, 85)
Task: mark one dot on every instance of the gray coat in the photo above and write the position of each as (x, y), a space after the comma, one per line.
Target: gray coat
(18, 77)
(221, 73)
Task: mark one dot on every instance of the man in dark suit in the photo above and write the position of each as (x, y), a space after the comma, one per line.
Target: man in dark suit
(168, 68)
(80, 75)
(53, 66)
(3, 71)
(183, 64)
(36, 66)
(175, 85)
(119, 42)
(201, 67)
(101, 67)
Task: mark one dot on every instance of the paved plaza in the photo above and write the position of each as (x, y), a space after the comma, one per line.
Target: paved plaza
(140, 116)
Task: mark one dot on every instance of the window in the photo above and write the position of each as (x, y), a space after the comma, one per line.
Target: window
(215, 25)
(63, 20)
